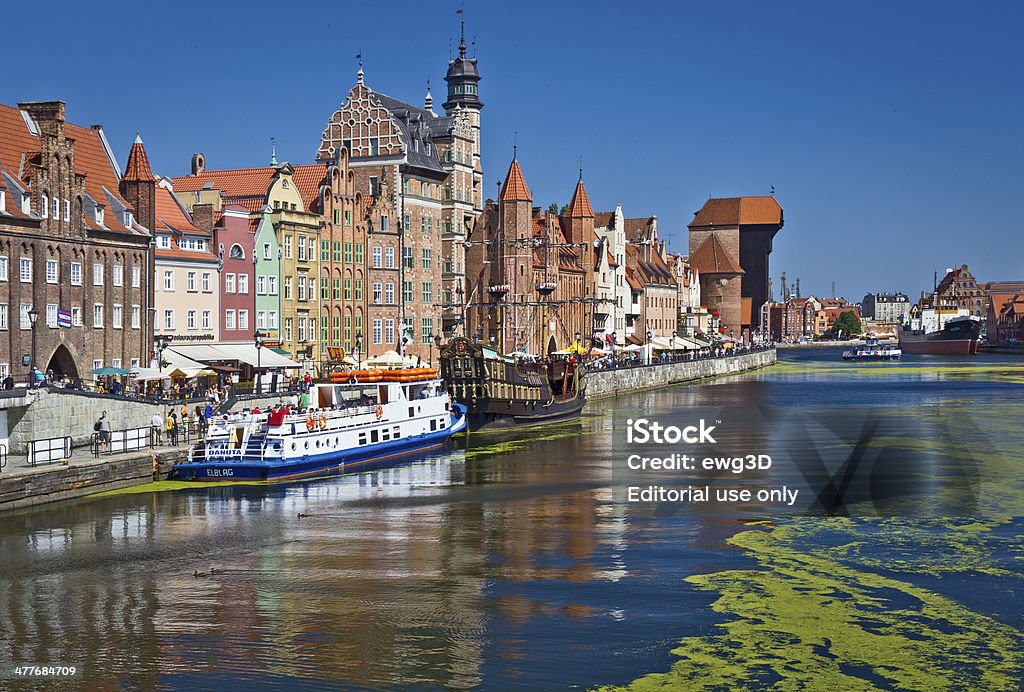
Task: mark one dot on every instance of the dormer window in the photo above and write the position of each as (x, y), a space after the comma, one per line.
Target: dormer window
(99, 215)
(3, 201)
(127, 219)
(25, 204)
(284, 183)
(163, 242)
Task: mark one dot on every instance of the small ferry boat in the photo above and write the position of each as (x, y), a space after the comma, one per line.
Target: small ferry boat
(368, 419)
(873, 350)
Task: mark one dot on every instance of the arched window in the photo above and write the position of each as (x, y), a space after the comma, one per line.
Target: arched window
(237, 252)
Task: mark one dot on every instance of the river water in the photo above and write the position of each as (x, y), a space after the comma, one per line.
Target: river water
(517, 562)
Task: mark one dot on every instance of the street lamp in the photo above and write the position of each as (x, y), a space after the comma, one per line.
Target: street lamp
(650, 352)
(437, 341)
(359, 347)
(33, 315)
(162, 340)
(258, 341)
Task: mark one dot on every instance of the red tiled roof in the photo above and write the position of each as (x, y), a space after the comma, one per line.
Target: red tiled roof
(603, 218)
(137, 167)
(734, 211)
(249, 186)
(233, 182)
(91, 160)
(636, 227)
(515, 189)
(712, 258)
(308, 179)
(652, 271)
(171, 216)
(579, 206)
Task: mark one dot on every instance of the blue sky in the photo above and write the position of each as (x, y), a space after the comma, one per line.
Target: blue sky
(890, 130)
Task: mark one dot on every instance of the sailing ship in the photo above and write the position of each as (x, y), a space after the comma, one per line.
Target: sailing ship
(377, 419)
(505, 391)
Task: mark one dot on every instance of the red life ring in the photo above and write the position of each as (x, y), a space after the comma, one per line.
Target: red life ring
(310, 422)
(379, 411)
(323, 421)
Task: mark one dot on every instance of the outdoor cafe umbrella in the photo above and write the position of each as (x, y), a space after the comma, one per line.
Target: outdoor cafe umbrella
(109, 371)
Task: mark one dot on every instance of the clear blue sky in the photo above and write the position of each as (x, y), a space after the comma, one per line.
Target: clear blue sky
(892, 131)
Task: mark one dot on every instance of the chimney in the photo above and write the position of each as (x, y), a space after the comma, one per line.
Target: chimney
(198, 164)
(202, 216)
(48, 115)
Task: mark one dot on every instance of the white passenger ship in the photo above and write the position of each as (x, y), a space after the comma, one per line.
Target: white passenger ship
(377, 418)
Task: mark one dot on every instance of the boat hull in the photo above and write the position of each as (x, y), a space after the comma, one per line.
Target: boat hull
(379, 455)
(500, 414)
(957, 338)
(945, 347)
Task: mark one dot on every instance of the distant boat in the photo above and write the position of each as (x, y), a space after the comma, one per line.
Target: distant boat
(873, 349)
(957, 337)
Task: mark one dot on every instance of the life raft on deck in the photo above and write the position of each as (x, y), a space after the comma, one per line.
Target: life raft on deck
(371, 376)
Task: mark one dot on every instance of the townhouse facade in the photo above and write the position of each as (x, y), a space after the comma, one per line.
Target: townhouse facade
(75, 248)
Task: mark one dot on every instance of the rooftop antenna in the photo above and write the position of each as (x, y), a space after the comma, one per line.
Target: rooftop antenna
(515, 143)
(581, 168)
(773, 190)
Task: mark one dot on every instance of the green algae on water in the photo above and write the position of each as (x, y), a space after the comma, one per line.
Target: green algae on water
(808, 622)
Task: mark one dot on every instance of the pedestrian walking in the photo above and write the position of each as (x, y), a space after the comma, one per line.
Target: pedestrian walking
(103, 427)
(157, 423)
(171, 425)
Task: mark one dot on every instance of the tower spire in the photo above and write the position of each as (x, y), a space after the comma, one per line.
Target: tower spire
(273, 152)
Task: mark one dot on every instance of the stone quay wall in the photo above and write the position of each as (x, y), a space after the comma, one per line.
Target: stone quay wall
(73, 412)
(606, 383)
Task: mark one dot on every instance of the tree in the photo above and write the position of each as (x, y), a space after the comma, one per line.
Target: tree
(848, 324)
(553, 208)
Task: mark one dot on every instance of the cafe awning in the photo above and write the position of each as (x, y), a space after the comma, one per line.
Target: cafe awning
(240, 352)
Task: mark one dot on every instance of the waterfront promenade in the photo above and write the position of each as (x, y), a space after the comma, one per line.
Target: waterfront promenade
(84, 473)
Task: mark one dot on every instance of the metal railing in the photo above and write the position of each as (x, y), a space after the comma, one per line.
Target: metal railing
(50, 450)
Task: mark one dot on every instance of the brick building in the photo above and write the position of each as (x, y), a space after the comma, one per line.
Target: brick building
(74, 236)
(531, 273)
(959, 288)
(430, 164)
(730, 240)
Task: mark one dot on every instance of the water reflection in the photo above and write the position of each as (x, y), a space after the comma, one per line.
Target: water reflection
(512, 561)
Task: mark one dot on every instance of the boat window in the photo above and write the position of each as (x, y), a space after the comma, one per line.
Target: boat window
(442, 424)
(362, 439)
(385, 435)
(383, 393)
(412, 411)
(396, 432)
(433, 425)
(374, 436)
